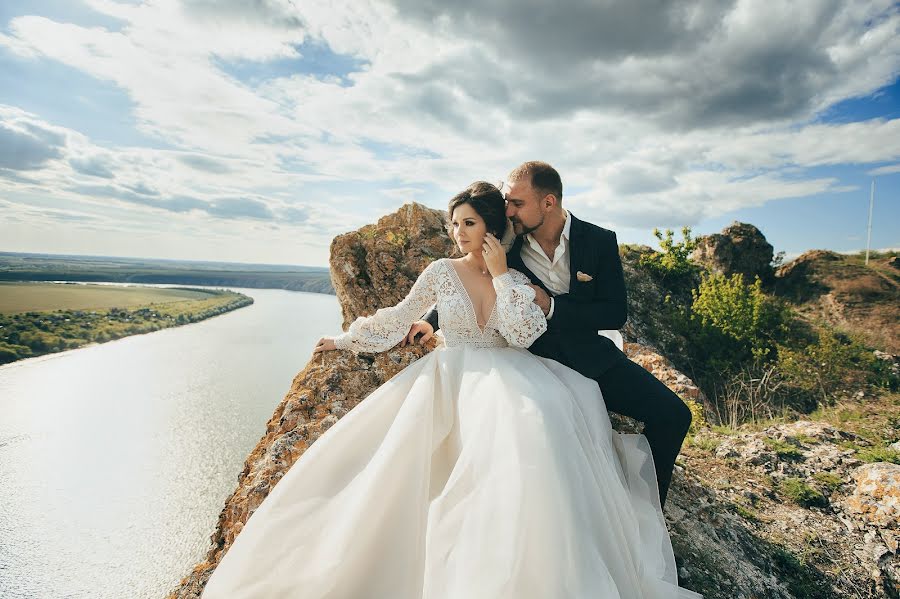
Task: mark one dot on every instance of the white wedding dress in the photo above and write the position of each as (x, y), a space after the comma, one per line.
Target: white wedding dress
(479, 472)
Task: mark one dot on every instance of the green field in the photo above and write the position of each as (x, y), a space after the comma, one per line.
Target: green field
(42, 318)
(40, 297)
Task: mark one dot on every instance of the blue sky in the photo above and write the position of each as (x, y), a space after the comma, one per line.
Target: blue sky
(256, 132)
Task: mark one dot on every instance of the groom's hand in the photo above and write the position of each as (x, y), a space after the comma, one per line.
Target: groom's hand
(541, 299)
(420, 326)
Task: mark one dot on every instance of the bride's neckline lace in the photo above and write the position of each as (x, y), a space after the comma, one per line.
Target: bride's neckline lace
(515, 320)
(470, 306)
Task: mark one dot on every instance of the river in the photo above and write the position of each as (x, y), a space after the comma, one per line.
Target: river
(115, 459)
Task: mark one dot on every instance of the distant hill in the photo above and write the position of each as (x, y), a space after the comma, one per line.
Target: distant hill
(840, 290)
(54, 267)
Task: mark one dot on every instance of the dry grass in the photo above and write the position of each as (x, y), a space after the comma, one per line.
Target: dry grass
(43, 297)
(844, 293)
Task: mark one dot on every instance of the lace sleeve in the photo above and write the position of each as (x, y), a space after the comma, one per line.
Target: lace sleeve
(384, 329)
(521, 321)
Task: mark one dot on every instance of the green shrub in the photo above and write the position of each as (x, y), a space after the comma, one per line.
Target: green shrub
(831, 364)
(883, 374)
(10, 352)
(783, 449)
(673, 262)
(745, 512)
(828, 480)
(698, 418)
(879, 454)
(732, 330)
(740, 317)
(801, 493)
(709, 444)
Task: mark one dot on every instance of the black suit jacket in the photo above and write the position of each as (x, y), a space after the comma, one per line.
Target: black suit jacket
(601, 303)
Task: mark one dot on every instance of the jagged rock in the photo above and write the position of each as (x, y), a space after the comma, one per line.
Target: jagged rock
(798, 279)
(649, 321)
(856, 532)
(662, 369)
(807, 429)
(739, 248)
(376, 265)
(877, 494)
(749, 450)
(799, 449)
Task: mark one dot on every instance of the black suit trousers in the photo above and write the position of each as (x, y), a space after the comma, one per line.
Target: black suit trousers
(630, 390)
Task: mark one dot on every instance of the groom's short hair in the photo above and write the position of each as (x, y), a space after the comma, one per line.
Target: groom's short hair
(544, 178)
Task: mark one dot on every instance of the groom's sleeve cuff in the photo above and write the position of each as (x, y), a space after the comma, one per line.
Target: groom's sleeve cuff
(552, 305)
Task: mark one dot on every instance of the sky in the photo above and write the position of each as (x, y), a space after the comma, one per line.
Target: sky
(257, 130)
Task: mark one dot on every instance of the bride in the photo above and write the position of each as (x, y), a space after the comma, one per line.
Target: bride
(480, 471)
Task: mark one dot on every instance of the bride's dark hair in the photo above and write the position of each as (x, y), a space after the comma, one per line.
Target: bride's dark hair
(487, 201)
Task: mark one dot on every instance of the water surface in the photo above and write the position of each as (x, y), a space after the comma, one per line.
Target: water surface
(115, 459)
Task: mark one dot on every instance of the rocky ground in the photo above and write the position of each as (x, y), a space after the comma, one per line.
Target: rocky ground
(818, 500)
(802, 509)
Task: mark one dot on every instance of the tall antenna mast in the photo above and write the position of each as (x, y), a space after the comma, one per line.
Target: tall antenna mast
(869, 234)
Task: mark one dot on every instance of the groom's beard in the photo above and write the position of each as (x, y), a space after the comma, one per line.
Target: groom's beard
(520, 228)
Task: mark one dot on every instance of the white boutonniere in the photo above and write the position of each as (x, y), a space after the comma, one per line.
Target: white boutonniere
(584, 278)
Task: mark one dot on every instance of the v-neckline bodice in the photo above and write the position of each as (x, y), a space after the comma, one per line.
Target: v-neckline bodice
(470, 304)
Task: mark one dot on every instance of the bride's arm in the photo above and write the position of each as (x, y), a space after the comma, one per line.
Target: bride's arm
(521, 321)
(384, 329)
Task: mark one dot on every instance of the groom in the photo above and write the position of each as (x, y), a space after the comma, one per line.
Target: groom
(577, 276)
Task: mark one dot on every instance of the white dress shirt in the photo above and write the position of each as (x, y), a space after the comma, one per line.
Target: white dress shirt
(554, 274)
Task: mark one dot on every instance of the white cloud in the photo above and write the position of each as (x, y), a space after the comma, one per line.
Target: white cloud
(885, 170)
(653, 116)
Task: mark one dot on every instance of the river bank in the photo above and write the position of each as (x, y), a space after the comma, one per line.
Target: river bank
(73, 316)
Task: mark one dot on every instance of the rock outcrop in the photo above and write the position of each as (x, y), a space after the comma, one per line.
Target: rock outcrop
(739, 248)
(377, 265)
(720, 550)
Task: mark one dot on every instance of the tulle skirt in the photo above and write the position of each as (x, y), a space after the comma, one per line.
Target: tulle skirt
(473, 474)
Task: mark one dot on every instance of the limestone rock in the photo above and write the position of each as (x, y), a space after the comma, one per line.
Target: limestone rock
(739, 248)
(877, 494)
(663, 369)
(376, 266)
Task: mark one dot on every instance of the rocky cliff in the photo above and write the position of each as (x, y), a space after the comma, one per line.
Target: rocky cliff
(739, 248)
(735, 527)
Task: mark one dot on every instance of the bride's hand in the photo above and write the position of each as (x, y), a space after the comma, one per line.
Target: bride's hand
(324, 344)
(494, 255)
(422, 327)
